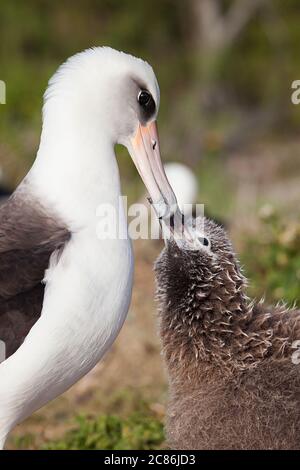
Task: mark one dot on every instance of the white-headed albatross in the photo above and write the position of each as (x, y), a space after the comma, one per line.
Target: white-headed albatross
(64, 294)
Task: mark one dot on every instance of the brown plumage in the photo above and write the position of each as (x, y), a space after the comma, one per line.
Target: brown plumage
(232, 381)
(29, 234)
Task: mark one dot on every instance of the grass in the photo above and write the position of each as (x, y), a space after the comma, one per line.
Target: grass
(109, 432)
(140, 430)
(272, 258)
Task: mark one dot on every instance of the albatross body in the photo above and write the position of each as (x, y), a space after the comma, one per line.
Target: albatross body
(65, 293)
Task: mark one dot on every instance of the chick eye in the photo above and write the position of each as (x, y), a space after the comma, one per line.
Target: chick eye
(204, 241)
(144, 98)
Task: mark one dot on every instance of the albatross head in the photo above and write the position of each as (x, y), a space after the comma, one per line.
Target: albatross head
(118, 96)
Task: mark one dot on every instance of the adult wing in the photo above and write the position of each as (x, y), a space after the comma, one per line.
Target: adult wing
(29, 234)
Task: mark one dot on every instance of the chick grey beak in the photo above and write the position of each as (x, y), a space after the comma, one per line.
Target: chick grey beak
(174, 228)
(145, 152)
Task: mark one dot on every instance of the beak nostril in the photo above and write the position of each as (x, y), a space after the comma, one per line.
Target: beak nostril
(154, 145)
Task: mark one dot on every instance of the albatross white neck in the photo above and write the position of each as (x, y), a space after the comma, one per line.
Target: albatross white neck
(76, 168)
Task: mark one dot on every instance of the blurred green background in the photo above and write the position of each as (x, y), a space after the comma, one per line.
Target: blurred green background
(225, 69)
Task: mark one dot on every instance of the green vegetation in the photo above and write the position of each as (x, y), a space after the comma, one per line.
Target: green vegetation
(108, 432)
(207, 83)
(26, 441)
(272, 259)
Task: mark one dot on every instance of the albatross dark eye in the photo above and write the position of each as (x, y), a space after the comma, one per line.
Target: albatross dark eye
(147, 105)
(205, 241)
(144, 98)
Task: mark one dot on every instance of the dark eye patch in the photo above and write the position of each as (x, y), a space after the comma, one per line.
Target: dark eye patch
(146, 103)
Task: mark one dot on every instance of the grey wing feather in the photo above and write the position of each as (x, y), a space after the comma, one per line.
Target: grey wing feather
(29, 234)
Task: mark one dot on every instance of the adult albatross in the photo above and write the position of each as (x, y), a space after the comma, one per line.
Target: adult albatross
(64, 294)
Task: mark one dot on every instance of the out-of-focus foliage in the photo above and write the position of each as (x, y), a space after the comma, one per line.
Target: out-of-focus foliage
(109, 432)
(36, 36)
(253, 73)
(272, 259)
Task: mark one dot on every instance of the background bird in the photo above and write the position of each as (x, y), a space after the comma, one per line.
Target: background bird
(184, 183)
(64, 291)
(234, 382)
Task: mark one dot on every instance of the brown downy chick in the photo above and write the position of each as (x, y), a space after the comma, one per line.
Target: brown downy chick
(232, 381)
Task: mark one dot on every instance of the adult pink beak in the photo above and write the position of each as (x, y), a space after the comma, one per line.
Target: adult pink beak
(145, 153)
